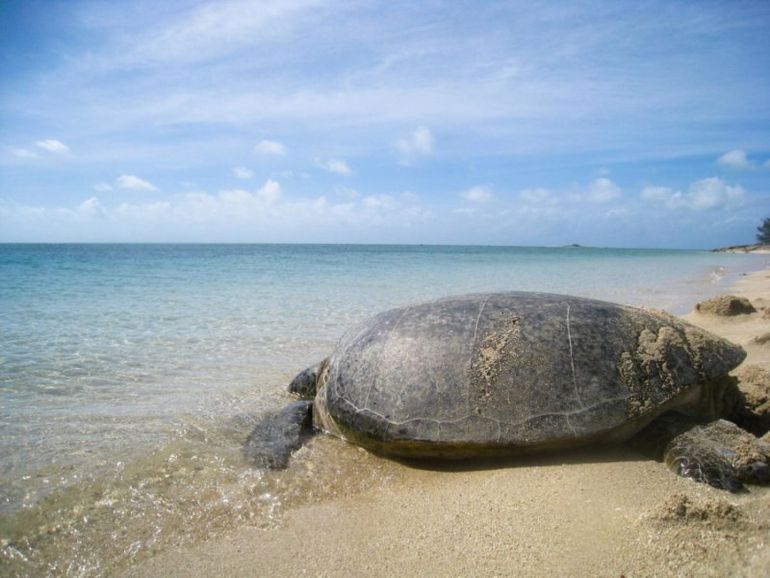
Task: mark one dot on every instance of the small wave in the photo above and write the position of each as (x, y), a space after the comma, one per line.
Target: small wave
(717, 274)
(194, 488)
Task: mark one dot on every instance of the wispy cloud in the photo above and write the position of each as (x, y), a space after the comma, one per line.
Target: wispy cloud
(418, 144)
(477, 194)
(257, 74)
(22, 153)
(211, 30)
(134, 183)
(269, 147)
(537, 196)
(657, 193)
(243, 173)
(52, 145)
(601, 190)
(735, 159)
(336, 166)
(91, 208)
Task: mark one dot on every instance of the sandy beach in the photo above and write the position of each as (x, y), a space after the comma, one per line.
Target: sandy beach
(606, 512)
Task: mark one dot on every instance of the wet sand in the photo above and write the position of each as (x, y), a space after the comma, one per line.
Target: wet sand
(609, 512)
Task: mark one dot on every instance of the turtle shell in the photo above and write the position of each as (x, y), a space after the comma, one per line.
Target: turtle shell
(506, 373)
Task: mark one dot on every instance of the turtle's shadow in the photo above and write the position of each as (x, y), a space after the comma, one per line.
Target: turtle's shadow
(602, 455)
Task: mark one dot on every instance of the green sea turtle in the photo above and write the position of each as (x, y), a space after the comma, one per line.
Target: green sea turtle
(517, 373)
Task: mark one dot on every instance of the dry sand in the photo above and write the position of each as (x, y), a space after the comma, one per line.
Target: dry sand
(610, 512)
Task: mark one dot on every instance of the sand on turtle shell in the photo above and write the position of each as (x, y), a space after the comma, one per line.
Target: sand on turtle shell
(754, 382)
(607, 512)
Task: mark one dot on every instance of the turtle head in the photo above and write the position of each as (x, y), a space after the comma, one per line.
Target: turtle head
(305, 384)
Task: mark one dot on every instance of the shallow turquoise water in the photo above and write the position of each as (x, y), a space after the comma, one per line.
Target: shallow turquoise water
(111, 352)
(107, 341)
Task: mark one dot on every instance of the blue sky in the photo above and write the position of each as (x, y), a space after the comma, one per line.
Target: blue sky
(636, 124)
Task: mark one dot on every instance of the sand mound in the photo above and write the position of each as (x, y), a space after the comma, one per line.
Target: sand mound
(726, 305)
(713, 511)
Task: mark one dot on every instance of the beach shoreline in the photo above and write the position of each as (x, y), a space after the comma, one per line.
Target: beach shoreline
(607, 512)
(758, 248)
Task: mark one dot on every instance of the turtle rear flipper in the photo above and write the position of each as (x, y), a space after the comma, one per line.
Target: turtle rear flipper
(279, 433)
(720, 454)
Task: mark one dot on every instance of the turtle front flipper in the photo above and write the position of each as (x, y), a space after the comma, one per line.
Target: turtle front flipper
(720, 454)
(305, 384)
(279, 433)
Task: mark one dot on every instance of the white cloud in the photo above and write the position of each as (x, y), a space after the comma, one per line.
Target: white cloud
(477, 194)
(237, 214)
(536, 196)
(200, 208)
(379, 201)
(712, 193)
(419, 143)
(102, 187)
(243, 173)
(654, 193)
(23, 153)
(144, 213)
(53, 146)
(91, 208)
(336, 166)
(233, 197)
(767, 164)
(270, 192)
(269, 147)
(601, 190)
(347, 192)
(409, 197)
(134, 183)
(735, 159)
(49, 145)
(705, 194)
(47, 219)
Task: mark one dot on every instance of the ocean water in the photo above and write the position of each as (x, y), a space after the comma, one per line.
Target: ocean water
(130, 375)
